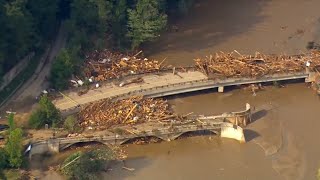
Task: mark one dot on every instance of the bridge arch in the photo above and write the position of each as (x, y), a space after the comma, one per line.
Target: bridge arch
(152, 138)
(195, 133)
(64, 147)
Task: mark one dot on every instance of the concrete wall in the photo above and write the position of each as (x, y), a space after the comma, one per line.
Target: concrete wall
(9, 76)
(229, 130)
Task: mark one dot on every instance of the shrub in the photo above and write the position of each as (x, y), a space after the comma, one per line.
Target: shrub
(71, 124)
(46, 114)
(86, 165)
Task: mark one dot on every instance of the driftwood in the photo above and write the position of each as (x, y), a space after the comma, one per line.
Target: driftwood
(237, 65)
(107, 113)
(105, 65)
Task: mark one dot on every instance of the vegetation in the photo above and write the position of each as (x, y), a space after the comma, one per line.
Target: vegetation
(71, 124)
(61, 71)
(145, 21)
(47, 113)
(86, 165)
(30, 23)
(92, 24)
(12, 153)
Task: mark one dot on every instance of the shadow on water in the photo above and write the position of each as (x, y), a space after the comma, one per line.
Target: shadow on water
(250, 134)
(196, 133)
(209, 23)
(258, 115)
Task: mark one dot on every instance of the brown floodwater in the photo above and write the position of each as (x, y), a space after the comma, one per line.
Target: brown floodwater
(281, 144)
(282, 141)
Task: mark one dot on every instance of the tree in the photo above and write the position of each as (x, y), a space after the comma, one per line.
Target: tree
(44, 15)
(61, 71)
(86, 165)
(71, 124)
(14, 148)
(3, 159)
(119, 22)
(46, 114)
(145, 21)
(11, 123)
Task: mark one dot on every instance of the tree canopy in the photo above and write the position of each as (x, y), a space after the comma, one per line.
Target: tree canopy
(47, 113)
(145, 21)
(26, 25)
(86, 165)
(13, 147)
(61, 71)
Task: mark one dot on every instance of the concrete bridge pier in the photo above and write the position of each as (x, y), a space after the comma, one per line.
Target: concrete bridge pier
(221, 89)
(53, 146)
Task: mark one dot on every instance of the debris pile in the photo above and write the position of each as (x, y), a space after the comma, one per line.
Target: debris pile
(103, 65)
(107, 113)
(237, 65)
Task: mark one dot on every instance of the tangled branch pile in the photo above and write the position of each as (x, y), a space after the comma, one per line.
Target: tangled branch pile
(107, 113)
(237, 65)
(107, 65)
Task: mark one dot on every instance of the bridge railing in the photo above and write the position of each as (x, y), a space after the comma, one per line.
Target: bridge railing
(152, 92)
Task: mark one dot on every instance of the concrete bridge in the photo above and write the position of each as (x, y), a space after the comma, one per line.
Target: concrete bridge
(158, 85)
(226, 125)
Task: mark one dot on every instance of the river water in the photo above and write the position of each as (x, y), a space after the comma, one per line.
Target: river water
(282, 141)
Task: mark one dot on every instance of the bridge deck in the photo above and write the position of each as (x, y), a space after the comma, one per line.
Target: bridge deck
(163, 85)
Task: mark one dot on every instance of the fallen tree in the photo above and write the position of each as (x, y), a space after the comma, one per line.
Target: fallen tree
(237, 65)
(134, 110)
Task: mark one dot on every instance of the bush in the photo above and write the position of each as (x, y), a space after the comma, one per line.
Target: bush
(71, 124)
(46, 114)
(3, 159)
(86, 165)
(14, 148)
(61, 71)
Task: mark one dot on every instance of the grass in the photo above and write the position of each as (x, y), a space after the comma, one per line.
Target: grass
(21, 78)
(12, 174)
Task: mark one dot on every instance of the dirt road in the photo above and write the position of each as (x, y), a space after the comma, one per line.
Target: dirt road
(37, 83)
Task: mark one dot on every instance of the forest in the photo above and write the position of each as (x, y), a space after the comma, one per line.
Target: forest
(29, 25)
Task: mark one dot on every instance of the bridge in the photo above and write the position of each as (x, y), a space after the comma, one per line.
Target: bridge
(165, 84)
(159, 85)
(226, 125)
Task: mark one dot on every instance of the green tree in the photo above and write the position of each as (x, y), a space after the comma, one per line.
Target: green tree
(71, 124)
(14, 148)
(11, 123)
(61, 71)
(86, 165)
(85, 28)
(3, 159)
(119, 22)
(145, 21)
(46, 114)
(44, 15)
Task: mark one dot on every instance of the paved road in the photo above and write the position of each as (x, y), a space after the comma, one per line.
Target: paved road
(110, 90)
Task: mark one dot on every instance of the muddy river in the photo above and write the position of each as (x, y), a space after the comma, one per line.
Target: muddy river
(282, 141)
